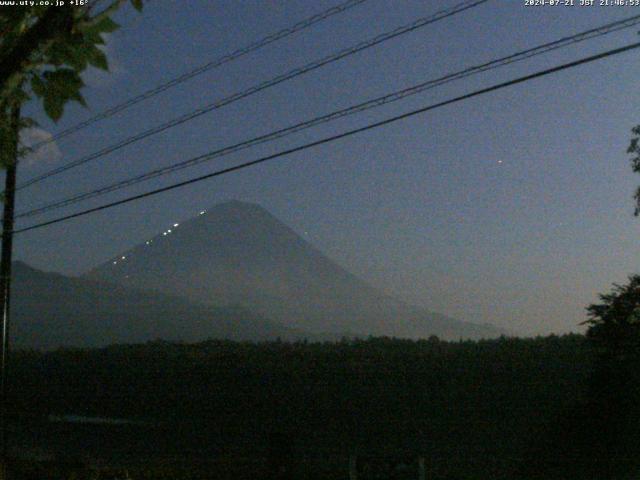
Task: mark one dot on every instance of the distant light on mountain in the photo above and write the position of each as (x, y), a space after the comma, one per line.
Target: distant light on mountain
(240, 254)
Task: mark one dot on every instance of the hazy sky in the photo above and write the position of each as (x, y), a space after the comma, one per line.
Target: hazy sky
(513, 208)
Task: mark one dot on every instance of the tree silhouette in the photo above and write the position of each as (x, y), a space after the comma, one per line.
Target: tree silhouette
(634, 149)
(614, 324)
(614, 332)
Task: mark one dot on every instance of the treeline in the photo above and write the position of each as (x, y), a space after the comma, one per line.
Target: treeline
(466, 406)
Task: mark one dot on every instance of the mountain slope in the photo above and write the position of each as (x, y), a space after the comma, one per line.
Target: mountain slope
(50, 310)
(238, 253)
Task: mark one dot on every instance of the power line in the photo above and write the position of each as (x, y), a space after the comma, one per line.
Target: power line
(257, 88)
(218, 62)
(369, 104)
(422, 22)
(339, 136)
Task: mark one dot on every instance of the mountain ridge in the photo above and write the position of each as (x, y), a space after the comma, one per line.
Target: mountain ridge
(50, 310)
(239, 253)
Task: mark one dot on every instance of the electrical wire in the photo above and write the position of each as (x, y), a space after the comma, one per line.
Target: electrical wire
(363, 106)
(336, 137)
(422, 22)
(218, 62)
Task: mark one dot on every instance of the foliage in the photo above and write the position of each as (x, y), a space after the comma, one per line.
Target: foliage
(603, 432)
(614, 324)
(471, 408)
(43, 51)
(634, 149)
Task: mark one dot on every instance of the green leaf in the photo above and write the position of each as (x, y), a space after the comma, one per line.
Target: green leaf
(62, 85)
(53, 106)
(56, 54)
(105, 25)
(93, 38)
(64, 81)
(98, 59)
(69, 51)
(77, 96)
(38, 86)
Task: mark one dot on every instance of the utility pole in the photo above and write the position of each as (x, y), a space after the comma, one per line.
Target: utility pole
(5, 278)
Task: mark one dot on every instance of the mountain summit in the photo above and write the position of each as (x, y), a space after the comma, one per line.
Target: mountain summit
(237, 253)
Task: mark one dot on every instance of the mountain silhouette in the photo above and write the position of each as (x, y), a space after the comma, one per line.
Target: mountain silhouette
(237, 253)
(50, 310)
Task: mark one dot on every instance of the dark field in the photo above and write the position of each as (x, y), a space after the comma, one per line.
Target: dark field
(471, 409)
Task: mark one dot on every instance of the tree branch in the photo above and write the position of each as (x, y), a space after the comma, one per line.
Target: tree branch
(55, 21)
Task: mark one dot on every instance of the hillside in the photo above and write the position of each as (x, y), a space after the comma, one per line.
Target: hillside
(50, 310)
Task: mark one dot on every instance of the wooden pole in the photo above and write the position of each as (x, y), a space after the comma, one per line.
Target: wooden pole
(5, 280)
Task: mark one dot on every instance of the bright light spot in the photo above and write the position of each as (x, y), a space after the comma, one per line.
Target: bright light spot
(123, 257)
(169, 231)
(164, 233)
(176, 224)
(500, 161)
(148, 242)
(115, 262)
(202, 212)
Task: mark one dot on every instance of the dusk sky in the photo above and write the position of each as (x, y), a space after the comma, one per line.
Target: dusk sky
(513, 208)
